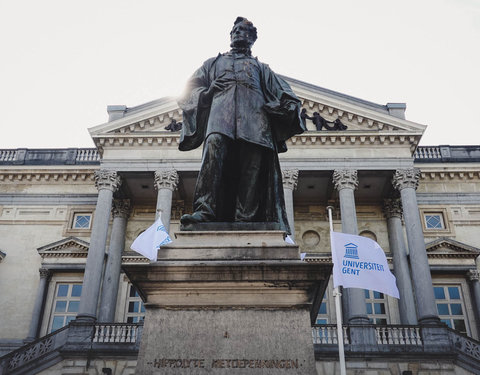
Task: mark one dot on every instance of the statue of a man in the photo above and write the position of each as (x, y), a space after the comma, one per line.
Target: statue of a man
(243, 113)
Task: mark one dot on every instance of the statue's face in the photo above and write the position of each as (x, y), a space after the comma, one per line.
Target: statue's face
(240, 36)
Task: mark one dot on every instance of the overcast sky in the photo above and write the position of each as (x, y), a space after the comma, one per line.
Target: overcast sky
(62, 62)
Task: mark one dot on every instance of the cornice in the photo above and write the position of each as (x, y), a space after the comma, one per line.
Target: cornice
(461, 250)
(309, 138)
(445, 175)
(42, 176)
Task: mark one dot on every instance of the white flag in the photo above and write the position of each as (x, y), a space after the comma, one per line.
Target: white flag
(149, 242)
(359, 262)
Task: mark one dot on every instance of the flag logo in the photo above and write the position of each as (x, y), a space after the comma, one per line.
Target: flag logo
(359, 262)
(351, 251)
(148, 243)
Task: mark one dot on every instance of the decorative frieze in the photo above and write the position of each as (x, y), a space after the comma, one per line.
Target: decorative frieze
(473, 275)
(105, 179)
(166, 179)
(392, 208)
(290, 178)
(345, 179)
(406, 178)
(121, 208)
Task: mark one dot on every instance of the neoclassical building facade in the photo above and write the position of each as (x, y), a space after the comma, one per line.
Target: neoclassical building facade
(69, 216)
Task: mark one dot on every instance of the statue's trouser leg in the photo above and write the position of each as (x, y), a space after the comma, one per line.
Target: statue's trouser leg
(252, 181)
(208, 190)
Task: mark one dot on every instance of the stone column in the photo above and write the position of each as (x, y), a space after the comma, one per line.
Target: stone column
(406, 181)
(290, 179)
(406, 304)
(473, 277)
(346, 182)
(166, 181)
(107, 182)
(111, 278)
(38, 306)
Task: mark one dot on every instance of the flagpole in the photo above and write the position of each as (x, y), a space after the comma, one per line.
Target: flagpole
(338, 308)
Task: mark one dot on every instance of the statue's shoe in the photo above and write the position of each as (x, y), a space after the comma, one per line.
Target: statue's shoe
(196, 217)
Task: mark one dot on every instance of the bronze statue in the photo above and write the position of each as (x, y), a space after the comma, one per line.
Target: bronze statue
(243, 113)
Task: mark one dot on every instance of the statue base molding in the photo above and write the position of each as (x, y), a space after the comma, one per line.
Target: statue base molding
(244, 313)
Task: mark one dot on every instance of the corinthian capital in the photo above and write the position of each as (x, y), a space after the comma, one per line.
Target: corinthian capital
(44, 273)
(406, 178)
(345, 179)
(108, 180)
(290, 178)
(392, 208)
(473, 275)
(166, 179)
(121, 208)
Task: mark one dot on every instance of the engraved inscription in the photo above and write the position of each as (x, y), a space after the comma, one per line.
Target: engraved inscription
(287, 364)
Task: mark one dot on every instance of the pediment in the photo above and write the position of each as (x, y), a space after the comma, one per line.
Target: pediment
(67, 247)
(446, 247)
(363, 119)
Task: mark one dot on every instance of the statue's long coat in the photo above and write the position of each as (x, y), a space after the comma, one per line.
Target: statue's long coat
(238, 113)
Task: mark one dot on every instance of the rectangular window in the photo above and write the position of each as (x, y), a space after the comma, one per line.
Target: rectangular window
(322, 316)
(82, 221)
(376, 307)
(65, 304)
(135, 308)
(433, 221)
(450, 306)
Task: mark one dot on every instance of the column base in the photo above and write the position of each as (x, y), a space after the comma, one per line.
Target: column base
(85, 318)
(430, 320)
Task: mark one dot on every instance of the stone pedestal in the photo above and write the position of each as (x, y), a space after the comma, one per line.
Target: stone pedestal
(228, 301)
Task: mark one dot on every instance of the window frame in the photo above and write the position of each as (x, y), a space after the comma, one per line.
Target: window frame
(70, 230)
(464, 300)
(448, 228)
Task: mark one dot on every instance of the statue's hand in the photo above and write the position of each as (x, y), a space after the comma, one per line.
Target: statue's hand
(218, 84)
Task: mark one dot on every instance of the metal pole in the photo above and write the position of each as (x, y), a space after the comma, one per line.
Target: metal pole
(338, 308)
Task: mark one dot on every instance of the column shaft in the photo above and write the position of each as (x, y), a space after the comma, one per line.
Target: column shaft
(406, 303)
(473, 276)
(111, 277)
(38, 306)
(290, 178)
(406, 181)
(107, 182)
(355, 310)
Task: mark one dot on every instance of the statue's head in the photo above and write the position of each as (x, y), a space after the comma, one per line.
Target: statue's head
(243, 34)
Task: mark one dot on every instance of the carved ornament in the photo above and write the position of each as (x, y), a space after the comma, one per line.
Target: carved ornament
(345, 179)
(392, 208)
(105, 179)
(290, 178)
(406, 178)
(44, 273)
(473, 275)
(121, 208)
(166, 179)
